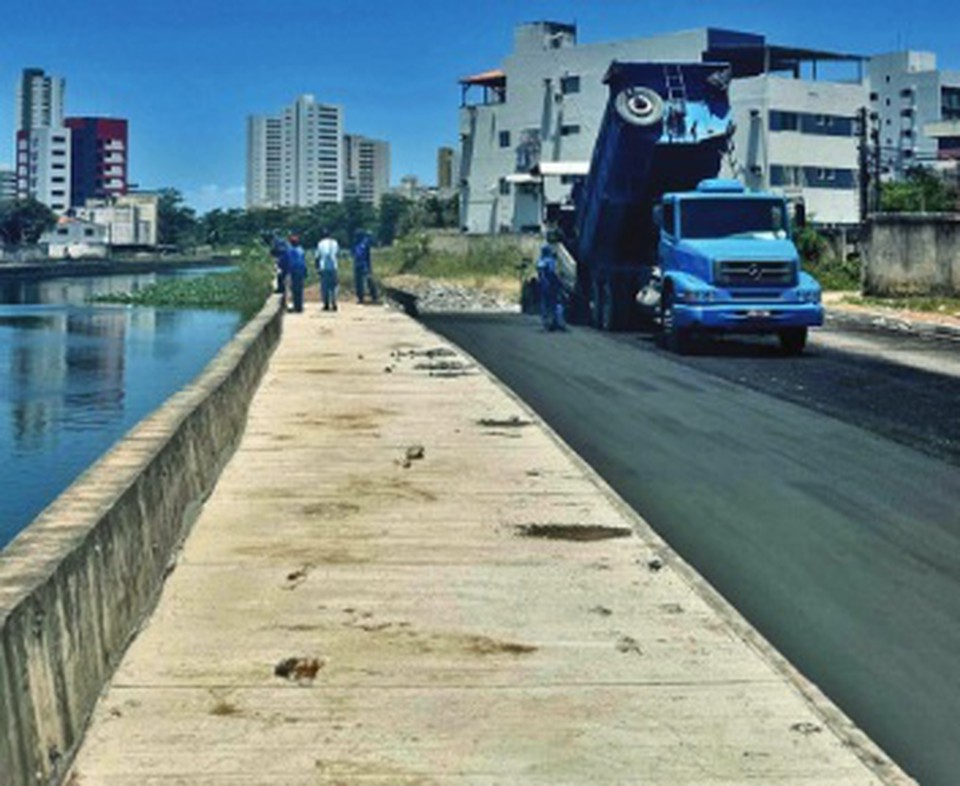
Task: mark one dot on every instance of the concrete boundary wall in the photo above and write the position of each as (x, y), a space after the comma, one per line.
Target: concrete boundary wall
(912, 254)
(78, 582)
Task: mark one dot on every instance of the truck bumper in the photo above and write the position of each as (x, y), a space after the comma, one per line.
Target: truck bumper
(748, 317)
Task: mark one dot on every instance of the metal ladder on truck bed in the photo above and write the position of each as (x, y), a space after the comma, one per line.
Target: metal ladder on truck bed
(676, 98)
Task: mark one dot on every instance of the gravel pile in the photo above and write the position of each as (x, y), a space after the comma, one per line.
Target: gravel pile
(438, 297)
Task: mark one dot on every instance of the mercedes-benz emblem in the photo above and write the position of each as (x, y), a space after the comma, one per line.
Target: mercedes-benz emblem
(754, 271)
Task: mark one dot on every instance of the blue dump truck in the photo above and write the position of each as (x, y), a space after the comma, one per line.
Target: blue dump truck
(654, 232)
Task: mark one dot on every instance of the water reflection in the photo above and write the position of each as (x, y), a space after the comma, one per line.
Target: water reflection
(75, 377)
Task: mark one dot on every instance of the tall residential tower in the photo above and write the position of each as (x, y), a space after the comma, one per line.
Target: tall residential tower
(43, 142)
(296, 159)
(366, 168)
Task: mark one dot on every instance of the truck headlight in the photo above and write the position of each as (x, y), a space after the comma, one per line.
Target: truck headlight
(809, 295)
(695, 296)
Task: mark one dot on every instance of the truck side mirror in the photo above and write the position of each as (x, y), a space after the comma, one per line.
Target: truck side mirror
(658, 216)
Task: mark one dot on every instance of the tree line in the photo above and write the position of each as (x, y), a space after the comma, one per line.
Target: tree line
(394, 217)
(23, 221)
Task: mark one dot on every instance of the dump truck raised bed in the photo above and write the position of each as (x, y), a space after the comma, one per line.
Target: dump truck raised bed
(656, 233)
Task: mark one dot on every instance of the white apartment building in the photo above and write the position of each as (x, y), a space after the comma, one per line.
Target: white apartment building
(43, 166)
(264, 161)
(795, 138)
(39, 99)
(8, 183)
(311, 153)
(43, 143)
(74, 238)
(296, 159)
(128, 220)
(913, 104)
(366, 168)
(546, 102)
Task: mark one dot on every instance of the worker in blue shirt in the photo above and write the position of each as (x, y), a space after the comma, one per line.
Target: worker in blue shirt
(551, 290)
(296, 265)
(363, 269)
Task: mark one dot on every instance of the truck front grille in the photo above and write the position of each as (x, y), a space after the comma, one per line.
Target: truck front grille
(755, 274)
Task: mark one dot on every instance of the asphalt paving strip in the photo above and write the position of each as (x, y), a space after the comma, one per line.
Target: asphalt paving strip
(839, 544)
(916, 407)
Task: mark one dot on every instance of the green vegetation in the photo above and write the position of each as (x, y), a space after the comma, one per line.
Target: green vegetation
(475, 260)
(819, 261)
(396, 215)
(948, 306)
(244, 289)
(921, 191)
(24, 220)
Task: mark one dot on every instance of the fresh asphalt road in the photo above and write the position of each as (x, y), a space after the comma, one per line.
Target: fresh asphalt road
(820, 495)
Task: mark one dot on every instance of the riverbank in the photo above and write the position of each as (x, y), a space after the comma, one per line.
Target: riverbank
(105, 267)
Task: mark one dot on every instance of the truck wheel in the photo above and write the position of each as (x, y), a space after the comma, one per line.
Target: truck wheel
(672, 338)
(793, 340)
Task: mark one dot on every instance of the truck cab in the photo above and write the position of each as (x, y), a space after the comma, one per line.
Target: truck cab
(727, 264)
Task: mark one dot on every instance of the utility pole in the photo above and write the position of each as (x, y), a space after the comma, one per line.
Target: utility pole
(864, 158)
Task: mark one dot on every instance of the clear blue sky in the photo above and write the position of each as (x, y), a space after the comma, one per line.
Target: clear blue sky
(187, 74)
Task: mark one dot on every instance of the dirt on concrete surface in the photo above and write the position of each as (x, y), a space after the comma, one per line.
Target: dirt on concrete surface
(583, 533)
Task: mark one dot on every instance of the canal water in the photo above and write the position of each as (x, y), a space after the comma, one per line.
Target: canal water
(75, 377)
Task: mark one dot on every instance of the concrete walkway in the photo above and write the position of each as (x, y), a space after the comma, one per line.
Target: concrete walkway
(402, 577)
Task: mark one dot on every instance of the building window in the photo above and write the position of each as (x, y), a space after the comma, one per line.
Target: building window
(950, 103)
(88, 232)
(874, 97)
(504, 187)
(504, 139)
(784, 121)
(569, 130)
(785, 175)
(569, 84)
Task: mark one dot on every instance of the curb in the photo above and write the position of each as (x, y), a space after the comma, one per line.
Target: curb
(892, 325)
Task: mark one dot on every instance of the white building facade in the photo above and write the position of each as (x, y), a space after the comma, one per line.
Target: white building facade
(366, 168)
(74, 238)
(43, 143)
(264, 161)
(913, 103)
(128, 220)
(8, 183)
(546, 103)
(795, 138)
(43, 166)
(296, 159)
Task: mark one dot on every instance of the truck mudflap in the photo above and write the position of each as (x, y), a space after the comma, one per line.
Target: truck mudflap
(747, 317)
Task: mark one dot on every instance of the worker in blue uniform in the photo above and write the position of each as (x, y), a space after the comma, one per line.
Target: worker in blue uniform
(551, 290)
(296, 265)
(363, 269)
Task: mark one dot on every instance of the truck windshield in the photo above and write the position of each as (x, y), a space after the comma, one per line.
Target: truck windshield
(707, 218)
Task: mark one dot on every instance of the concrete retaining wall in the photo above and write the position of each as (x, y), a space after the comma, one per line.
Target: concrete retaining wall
(459, 243)
(912, 254)
(78, 582)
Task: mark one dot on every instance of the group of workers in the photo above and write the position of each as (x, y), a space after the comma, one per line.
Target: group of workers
(292, 268)
(291, 265)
